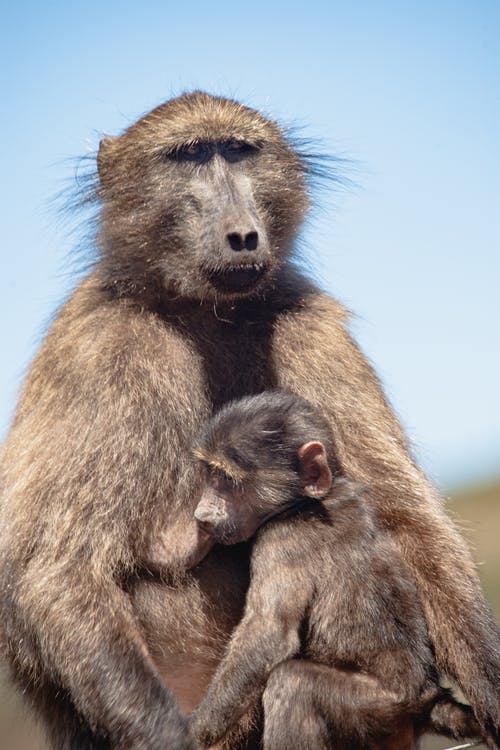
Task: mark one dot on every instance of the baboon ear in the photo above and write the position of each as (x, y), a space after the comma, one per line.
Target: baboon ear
(104, 155)
(314, 470)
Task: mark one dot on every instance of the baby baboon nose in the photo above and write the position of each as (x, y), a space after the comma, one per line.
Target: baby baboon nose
(238, 241)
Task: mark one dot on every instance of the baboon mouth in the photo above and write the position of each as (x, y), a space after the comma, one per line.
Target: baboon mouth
(236, 278)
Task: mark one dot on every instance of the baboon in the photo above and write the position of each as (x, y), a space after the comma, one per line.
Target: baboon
(327, 589)
(194, 300)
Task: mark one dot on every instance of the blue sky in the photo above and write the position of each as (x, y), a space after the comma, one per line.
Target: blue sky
(411, 90)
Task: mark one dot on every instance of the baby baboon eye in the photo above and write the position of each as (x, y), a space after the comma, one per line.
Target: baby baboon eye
(221, 479)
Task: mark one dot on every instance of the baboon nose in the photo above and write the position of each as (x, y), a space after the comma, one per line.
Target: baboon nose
(238, 241)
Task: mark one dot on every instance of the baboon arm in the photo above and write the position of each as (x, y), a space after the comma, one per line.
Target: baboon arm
(94, 651)
(315, 356)
(267, 635)
(81, 478)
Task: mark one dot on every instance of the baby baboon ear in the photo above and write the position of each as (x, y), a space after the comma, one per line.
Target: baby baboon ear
(314, 470)
(104, 155)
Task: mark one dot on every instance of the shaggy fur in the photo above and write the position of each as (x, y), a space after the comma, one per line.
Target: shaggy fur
(327, 589)
(98, 460)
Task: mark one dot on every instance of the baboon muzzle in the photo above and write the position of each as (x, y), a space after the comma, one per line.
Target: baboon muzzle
(240, 238)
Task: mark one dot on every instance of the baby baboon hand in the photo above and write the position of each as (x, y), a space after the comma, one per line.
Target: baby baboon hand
(206, 726)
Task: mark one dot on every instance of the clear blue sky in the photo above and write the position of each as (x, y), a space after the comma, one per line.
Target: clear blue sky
(410, 89)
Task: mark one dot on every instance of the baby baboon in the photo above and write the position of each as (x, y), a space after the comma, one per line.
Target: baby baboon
(331, 609)
(194, 300)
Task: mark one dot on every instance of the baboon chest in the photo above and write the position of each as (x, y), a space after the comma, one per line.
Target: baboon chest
(242, 369)
(234, 357)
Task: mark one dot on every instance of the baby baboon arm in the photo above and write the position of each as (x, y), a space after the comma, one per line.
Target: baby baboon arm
(267, 635)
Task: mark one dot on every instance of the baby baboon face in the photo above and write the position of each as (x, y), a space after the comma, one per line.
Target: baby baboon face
(262, 455)
(204, 194)
(229, 511)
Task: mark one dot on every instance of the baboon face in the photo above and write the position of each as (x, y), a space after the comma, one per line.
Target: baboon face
(203, 194)
(229, 511)
(258, 461)
(233, 505)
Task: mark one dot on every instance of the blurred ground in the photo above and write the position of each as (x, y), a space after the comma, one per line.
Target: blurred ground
(477, 509)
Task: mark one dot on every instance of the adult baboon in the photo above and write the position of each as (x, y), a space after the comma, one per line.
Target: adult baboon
(194, 301)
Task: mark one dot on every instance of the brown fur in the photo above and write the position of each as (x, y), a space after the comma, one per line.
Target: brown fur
(333, 635)
(98, 459)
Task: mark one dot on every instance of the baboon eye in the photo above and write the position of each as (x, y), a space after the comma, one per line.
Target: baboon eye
(222, 478)
(236, 150)
(194, 149)
(198, 152)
